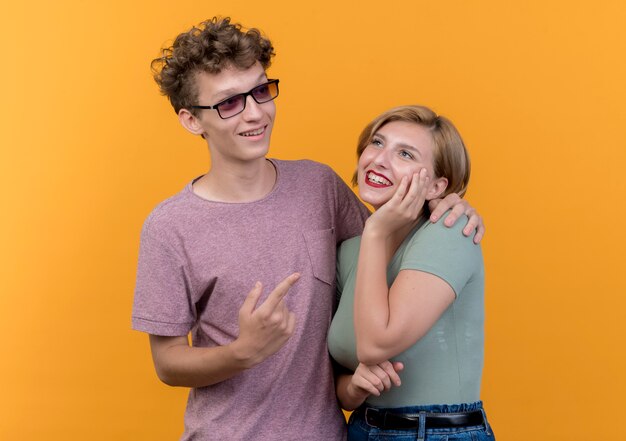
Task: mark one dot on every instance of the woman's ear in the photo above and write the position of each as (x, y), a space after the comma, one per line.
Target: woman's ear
(437, 187)
(190, 122)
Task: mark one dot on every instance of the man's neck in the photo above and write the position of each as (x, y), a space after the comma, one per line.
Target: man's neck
(237, 182)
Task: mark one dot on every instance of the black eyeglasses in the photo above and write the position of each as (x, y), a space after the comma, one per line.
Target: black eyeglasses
(236, 104)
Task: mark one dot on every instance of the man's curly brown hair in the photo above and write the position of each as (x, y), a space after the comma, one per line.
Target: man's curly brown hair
(213, 45)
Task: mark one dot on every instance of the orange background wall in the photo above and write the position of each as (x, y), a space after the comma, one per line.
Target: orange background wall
(88, 147)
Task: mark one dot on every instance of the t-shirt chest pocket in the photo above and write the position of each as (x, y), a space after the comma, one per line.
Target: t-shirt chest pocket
(322, 249)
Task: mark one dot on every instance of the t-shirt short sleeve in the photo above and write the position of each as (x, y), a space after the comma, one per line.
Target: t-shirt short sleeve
(347, 257)
(162, 304)
(444, 252)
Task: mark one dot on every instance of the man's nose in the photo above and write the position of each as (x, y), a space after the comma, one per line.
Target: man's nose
(252, 110)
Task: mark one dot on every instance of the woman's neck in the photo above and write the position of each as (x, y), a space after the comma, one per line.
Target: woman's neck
(398, 236)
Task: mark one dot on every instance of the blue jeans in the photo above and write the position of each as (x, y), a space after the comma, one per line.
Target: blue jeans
(359, 430)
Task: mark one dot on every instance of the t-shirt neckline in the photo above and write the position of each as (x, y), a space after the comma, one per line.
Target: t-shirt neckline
(274, 190)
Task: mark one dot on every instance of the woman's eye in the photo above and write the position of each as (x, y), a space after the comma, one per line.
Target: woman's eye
(377, 142)
(406, 154)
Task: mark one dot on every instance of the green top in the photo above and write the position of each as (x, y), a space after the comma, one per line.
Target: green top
(444, 366)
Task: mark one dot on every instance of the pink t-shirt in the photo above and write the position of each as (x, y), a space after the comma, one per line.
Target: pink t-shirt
(198, 261)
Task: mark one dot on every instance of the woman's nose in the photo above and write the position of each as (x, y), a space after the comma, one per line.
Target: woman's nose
(381, 159)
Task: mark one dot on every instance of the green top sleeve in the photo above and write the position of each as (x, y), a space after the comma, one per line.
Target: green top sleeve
(444, 252)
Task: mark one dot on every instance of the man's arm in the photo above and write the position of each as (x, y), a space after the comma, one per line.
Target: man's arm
(262, 332)
(459, 207)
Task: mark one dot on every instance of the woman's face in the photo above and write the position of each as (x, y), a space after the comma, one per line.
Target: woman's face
(397, 149)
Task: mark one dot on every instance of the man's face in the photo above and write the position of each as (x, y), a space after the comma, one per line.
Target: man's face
(245, 136)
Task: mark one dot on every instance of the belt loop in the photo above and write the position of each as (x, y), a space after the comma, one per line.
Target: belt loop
(485, 422)
(365, 415)
(421, 431)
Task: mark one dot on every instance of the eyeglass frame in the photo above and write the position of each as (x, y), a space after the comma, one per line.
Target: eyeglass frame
(245, 99)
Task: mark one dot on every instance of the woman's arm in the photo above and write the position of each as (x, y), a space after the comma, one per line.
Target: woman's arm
(389, 320)
(353, 389)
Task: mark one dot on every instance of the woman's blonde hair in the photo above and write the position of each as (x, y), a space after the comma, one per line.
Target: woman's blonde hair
(450, 159)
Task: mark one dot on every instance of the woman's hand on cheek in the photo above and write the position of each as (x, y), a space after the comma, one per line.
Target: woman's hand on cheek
(403, 208)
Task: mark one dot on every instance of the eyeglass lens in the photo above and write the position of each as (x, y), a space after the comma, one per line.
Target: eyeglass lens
(235, 104)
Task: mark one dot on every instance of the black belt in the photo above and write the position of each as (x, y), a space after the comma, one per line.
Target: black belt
(384, 419)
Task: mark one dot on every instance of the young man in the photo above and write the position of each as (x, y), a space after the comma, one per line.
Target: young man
(244, 256)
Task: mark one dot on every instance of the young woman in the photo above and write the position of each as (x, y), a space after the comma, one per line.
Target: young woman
(412, 291)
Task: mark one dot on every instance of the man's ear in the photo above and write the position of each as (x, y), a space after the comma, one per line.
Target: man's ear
(190, 122)
(437, 187)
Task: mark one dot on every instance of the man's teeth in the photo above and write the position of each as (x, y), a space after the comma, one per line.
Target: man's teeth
(254, 132)
(377, 179)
